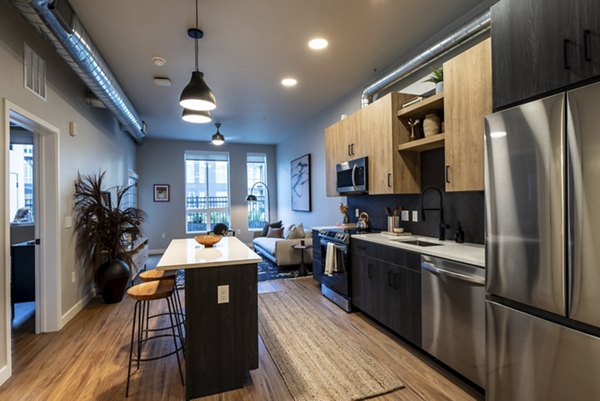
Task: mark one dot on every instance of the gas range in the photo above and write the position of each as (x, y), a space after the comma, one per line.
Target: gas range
(340, 235)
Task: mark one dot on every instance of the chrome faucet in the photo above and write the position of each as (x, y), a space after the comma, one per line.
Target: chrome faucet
(442, 226)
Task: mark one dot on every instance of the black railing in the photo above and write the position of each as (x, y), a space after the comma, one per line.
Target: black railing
(206, 202)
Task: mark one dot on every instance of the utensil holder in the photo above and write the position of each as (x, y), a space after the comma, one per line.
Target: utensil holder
(393, 222)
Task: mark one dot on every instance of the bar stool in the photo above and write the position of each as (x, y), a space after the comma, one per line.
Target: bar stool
(154, 275)
(143, 294)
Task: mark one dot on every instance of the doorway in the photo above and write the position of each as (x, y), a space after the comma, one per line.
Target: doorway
(46, 229)
(22, 194)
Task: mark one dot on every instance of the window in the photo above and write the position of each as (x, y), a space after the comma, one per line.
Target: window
(131, 197)
(258, 212)
(21, 183)
(207, 190)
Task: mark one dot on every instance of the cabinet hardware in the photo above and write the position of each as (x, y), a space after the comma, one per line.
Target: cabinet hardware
(586, 45)
(370, 270)
(565, 54)
(349, 154)
(447, 174)
(389, 180)
(351, 149)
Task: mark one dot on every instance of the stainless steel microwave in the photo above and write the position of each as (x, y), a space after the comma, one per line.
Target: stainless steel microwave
(352, 176)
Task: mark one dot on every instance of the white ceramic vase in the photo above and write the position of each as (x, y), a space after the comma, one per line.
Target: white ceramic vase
(431, 124)
(439, 87)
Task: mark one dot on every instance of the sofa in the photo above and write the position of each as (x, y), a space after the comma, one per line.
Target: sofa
(280, 251)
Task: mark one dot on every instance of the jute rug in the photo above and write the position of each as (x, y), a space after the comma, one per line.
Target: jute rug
(315, 358)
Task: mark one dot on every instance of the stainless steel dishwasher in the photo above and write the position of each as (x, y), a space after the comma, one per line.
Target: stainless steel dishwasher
(453, 315)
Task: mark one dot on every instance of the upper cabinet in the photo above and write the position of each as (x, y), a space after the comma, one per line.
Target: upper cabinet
(542, 46)
(467, 100)
(373, 132)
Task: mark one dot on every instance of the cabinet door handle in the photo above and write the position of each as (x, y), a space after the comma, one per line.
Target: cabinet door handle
(389, 180)
(349, 154)
(566, 54)
(352, 149)
(370, 270)
(586, 45)
(447, 174)
(389, 279)
(396, 286)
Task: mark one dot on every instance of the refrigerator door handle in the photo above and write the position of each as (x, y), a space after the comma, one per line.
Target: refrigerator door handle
(459, 276)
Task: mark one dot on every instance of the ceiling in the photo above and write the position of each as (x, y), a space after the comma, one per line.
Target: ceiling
(248, 47)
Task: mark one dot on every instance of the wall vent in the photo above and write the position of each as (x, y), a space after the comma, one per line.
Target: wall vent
(34, 72)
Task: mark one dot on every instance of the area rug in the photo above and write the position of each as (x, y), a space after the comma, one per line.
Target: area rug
(314, 356)
(267, 270)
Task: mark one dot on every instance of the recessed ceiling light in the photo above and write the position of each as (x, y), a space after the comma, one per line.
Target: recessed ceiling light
(159, 61)
(162, 81)
(289, 82)
(318, 43)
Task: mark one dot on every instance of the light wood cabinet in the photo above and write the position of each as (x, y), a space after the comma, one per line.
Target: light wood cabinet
(467, 100)
(373, 132)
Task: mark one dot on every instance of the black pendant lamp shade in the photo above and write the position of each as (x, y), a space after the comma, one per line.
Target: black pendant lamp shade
(197, 95)
(196, 116)
(217, 138)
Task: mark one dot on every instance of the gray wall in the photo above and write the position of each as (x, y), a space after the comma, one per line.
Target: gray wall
(98, 145)
(162, 162)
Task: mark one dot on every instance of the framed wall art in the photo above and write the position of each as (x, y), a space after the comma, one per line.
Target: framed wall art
(300, 183)
(161, 192)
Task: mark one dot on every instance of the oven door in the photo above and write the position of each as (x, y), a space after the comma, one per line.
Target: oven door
(338, 278)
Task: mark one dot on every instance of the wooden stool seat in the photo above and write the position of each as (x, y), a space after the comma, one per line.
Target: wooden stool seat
(157, 289)
(152, 275)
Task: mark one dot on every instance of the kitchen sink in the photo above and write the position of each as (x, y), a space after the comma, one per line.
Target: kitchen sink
(417, 242)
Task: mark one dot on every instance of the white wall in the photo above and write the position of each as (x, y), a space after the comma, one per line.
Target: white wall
(163, 162)
(98, 145)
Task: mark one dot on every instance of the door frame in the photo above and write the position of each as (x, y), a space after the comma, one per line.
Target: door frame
(47, 226)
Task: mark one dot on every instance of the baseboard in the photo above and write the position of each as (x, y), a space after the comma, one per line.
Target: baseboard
(75, 309)
(156, 251)
(5, 374)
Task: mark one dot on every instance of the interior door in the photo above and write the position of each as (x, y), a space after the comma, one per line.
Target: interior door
(584, 200)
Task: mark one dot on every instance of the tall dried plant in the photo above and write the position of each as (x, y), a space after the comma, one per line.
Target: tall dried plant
(100, 229)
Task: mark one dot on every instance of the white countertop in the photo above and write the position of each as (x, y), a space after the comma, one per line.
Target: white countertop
(188, 254)
(473, 254)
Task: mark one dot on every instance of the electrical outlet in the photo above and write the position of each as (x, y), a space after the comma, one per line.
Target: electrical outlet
(223, 294)
(68, 221)
(73, 277)
(405, 215)
(356, 212)
(162, 235)
(415, 215)
(238, 231)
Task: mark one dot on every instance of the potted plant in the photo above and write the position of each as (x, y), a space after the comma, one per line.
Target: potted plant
(437, 77)
(101, 230)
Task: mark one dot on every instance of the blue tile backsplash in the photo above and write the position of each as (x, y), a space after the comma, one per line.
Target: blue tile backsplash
(466, 207)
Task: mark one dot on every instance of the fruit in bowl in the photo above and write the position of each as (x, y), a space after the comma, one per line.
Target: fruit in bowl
(207, 240)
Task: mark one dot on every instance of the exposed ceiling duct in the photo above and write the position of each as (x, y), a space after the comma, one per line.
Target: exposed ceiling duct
(56, 20)
(469, 31)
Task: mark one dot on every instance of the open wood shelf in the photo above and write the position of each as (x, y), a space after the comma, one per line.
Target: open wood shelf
(433, 103)
(424, 144)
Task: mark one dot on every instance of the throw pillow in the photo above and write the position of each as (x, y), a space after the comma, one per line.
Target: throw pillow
(296, 232)
(275, 232)
(265, 229)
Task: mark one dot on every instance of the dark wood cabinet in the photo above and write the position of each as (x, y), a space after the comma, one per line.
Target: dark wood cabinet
(542, 46)
(386, 285)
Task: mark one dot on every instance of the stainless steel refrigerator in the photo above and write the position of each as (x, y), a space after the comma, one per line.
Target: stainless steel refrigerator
(543, 249)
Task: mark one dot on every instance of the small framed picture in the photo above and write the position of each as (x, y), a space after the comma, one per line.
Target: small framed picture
(161, 192)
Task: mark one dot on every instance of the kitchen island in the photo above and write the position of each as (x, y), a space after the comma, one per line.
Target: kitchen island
(221, 305)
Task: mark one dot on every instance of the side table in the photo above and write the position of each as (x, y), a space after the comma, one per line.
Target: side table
(302, 269)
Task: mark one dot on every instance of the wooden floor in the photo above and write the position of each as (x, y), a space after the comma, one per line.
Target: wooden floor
(87, 360)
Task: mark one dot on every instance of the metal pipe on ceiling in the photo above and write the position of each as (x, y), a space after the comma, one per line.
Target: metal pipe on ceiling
(467, 32)
(56, 20)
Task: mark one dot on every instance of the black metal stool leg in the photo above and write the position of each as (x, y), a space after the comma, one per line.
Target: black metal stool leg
(135, 310)
(171, 312)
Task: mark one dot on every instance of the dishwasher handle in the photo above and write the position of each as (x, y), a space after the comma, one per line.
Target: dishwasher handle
(459, 276)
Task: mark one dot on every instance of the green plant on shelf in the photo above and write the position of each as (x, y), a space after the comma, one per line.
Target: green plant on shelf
(437, 75)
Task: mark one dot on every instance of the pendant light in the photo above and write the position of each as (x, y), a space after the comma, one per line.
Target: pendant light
(217, 138)
(196, 116)
(197, 95)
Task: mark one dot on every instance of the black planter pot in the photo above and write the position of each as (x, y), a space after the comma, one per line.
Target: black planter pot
(112, 277)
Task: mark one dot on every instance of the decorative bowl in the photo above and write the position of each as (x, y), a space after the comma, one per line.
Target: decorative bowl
(207, 240)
